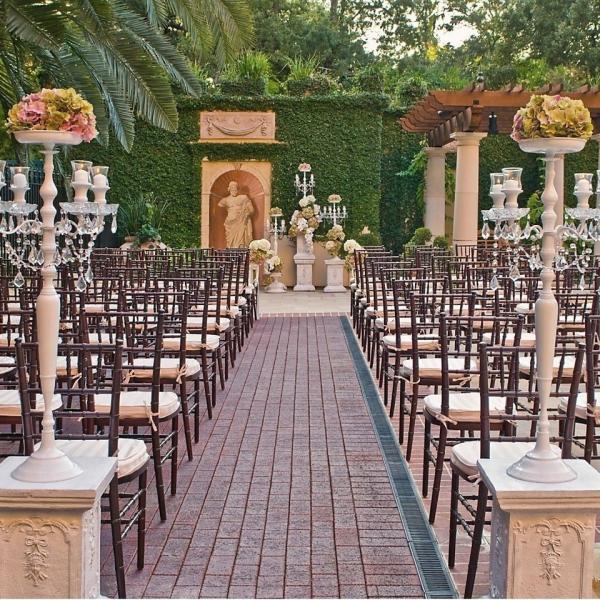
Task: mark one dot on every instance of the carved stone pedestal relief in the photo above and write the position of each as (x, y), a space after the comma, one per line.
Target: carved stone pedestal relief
(50, 533)
(542, 534)
(335, 275)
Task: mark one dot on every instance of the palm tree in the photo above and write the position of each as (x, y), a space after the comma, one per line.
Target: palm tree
(116, 52)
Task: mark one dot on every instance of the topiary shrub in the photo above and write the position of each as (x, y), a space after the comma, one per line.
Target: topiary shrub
(441, 241)
(369, 79)
(421, 236)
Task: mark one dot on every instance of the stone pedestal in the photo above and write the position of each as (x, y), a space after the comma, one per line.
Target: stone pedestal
(304, 260)
(335, 275)
(50, 532)
(276, 286)
(542, 543)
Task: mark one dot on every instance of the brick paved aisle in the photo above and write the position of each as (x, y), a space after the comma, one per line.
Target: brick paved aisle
(288, 494)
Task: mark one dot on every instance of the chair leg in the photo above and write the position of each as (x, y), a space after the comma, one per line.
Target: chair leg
(221, 372)
(413, 419)
(115, 524)
(476, 543)
(205, 379)
(453, 519)
(158, 474)
(213, 371)
(395, 385)
(185, 411)
(141, 524)
(401, 411)
(437, 477)
(174, 448)
(426, 457)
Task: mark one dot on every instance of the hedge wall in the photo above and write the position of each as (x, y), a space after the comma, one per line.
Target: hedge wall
(354, 144)
(340, 136)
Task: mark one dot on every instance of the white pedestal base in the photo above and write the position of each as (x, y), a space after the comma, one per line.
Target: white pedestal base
(276, 286)
(304, 267)
(50, 532)
(542, 543)
(335, 275)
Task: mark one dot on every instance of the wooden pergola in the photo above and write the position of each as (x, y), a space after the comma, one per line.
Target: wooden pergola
(444, 112)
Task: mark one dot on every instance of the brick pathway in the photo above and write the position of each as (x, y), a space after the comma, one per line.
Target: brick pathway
(288, 494)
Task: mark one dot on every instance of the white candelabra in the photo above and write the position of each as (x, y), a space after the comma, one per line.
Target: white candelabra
(79, 224)
(276, 230)
(334, 212)
(556, 251)
(304, 257)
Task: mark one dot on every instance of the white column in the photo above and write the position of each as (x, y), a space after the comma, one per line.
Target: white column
(559, 184)
(466, 196)
(435, 191)
(50, 532)
(542, 540)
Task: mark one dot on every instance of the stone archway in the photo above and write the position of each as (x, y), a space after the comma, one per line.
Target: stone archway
(254, 180)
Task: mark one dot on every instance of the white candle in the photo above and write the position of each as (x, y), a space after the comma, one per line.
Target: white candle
(100, 180)
(283, 224)
(19, 180)
(511, 184)
(81, 176)
(583, 185)
(497, 187)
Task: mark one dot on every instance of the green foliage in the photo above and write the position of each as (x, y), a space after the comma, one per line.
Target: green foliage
(116, 54)
(302, 68)
(142, 216)
(340, 136)
(421, 236)
(248, 75)
(441, 241)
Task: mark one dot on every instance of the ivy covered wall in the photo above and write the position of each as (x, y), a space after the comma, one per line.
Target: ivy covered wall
(354, 144)
(340, 136)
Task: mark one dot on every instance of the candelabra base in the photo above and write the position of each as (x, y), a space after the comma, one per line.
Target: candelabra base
(276, 286)
(542, 467)
(46, 467)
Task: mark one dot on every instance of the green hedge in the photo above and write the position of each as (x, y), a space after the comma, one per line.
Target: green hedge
(353, 142)
(340, 136)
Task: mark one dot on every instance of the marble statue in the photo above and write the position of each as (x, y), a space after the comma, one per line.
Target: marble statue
(238, 223)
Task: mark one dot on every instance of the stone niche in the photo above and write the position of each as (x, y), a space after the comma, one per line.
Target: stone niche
(253, 179)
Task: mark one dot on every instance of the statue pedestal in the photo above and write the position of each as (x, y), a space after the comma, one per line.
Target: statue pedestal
(50, 532)
(542, 542)
(335, 275)
(304, 266)
(276, 286)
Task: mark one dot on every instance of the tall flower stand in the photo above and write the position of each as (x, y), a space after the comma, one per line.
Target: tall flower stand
(335, 275)
(544, 511)
(304, 259)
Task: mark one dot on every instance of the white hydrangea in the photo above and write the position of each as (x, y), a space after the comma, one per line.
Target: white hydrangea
(303, 202)
(311, 199)
(317, 209)
(301, 224)
(351, 245)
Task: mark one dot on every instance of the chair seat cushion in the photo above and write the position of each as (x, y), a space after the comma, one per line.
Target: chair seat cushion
(169, 368)
(406, 343)
(431, 368)
(93, 308)
(463, 406)
(566, 362)
(136, 404)
(193, 341)
(10, 403)
(465, 455)
(7, 365)
(131, 455)
(527, 339)
(582, 410)
(211, 323)
(524, 308)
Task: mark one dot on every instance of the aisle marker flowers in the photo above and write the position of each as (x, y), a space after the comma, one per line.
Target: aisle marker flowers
(552, 116)
(55, 109)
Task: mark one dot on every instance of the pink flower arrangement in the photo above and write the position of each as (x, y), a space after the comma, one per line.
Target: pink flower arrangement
(304, 168)
(54, 110)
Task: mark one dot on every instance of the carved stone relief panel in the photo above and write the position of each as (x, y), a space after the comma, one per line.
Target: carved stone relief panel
(235, 126)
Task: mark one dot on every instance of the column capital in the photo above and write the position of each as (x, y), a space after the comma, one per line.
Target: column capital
(468, 138)
(435, 151)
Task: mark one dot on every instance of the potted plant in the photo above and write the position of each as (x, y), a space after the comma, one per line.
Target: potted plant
(141, 221)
